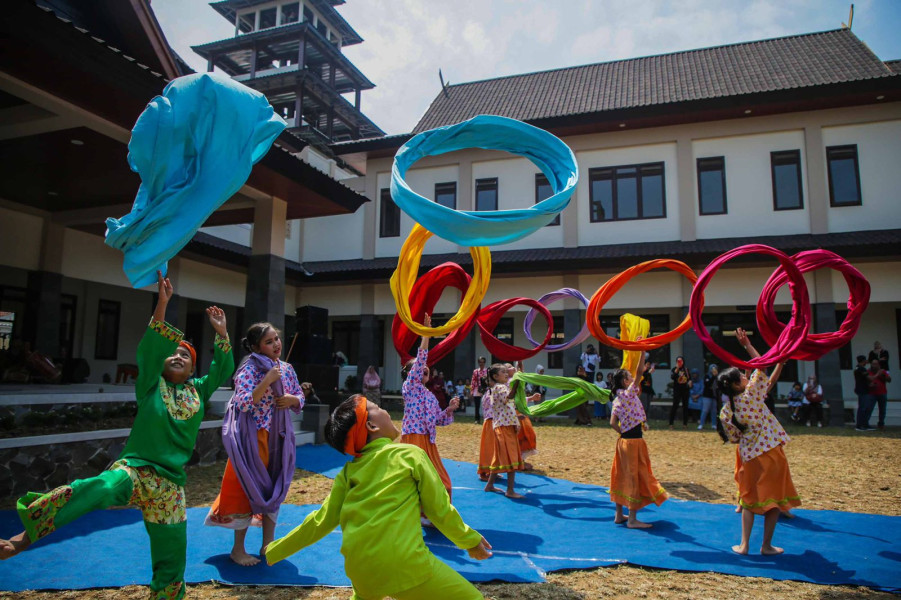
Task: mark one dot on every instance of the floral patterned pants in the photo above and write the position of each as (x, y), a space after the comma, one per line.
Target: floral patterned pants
(161, 501)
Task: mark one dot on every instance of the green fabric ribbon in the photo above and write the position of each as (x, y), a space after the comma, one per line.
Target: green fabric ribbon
(582, 392)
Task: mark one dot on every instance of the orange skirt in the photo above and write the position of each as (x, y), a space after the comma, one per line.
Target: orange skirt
(232, 508)
(486, 448)
(507, 456)
(632, 482)
(528, 441)
(765, 483)
(421, 440)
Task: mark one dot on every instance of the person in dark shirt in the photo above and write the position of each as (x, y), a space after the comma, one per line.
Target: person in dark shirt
(879, 353)
(865, 400)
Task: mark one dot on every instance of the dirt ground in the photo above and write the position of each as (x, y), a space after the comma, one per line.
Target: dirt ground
(832, 469)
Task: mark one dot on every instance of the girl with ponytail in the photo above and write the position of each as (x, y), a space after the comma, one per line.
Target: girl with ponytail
(764, 482)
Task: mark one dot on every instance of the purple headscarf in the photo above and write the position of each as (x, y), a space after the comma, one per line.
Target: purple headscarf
(266, 487)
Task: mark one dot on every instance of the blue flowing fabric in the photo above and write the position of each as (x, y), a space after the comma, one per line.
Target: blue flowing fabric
(487, 228)
(193, 147)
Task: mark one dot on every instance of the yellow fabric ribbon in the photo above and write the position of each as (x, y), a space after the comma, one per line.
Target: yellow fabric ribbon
(408, 269)
(630, 328)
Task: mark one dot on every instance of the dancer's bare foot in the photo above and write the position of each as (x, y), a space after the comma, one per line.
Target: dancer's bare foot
(491, 488)
(636, 524)
(771, 550)
(739, 549)
(788, 514)
(14, 545)
(527, 466)
(738, 508)
(619, 520)
(483, 478)
(514, 495)
(242, 558)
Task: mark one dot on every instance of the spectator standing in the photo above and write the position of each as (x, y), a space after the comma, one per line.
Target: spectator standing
(878, 377)
(813, 402)
(862, 390)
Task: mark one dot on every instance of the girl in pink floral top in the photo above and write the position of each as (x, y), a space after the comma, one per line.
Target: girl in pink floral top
(254, 394)
(422, 414)
(632, 482)
(764, 482)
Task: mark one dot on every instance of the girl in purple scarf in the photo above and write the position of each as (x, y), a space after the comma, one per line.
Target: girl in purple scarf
(259, 438)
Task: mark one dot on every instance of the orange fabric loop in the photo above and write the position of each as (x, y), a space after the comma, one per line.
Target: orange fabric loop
(358, 434)
(614, 284)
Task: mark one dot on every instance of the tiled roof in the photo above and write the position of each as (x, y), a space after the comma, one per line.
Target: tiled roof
(815, 59)
(697, 253)
(894, 65)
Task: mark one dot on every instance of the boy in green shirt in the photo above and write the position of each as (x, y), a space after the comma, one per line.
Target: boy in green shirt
(150, 471)
(377, 499)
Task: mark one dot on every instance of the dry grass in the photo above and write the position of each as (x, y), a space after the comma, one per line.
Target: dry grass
(832, 469)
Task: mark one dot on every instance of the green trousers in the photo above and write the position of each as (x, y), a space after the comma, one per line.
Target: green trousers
(41, 514)
(444, 584)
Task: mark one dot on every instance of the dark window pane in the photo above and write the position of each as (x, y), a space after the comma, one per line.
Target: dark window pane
(844, 177)
(290, 13)
(246, 22)
(308, 14)
(486, 194)
(503, 332)
(602, 200)
(389, 223)
(267, 17)
(321, 28)
(786, 168)
(652, 196)
(107, 347)
(543, 191)
(626, 197)
(446, 194)
(712, 185)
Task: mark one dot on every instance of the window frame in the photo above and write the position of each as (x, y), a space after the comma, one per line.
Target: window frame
(504, 328)
(445, 188)
(542, 180)
(780, 155)
(486, 183)
(703, 168)
(384, 198)
(108, 307)
(593, 175)
(555, 359)
(856, 158)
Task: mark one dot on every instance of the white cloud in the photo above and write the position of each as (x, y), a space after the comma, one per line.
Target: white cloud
(407, 41)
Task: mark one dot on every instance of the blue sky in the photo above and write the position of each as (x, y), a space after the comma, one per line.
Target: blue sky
(407, 41)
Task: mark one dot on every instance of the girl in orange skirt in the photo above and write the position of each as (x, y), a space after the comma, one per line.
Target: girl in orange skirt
(528, 440)
(632, 482)
(254, 393)
(507, 456)
(486, 442)
(764, 482)
(422, 414)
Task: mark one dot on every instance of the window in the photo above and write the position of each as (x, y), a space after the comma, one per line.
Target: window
(626, 193)
(503, 332)
(486, 194)
(13, 301)
(68, 303)
(555, 359)
(844, 176)
(446, 194)
(721, 327)
(712, 185)
(307, 14)
(321, 28)
(389, 222)
(543, 191)
(346, 338)
(246, 22)
(107, 343)
(786, 169)
(267, 17)
(290, 13)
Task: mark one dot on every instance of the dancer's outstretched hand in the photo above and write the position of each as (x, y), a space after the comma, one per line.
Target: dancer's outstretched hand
(482, 551)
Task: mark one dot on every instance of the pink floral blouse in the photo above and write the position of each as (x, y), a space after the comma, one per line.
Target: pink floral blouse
(422, 414)
(486, 406)
(763, 431)
(503, 410)
(247, 379)
(628, 410)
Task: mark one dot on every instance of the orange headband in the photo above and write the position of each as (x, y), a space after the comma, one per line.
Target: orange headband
(189, 348)
(358, 434)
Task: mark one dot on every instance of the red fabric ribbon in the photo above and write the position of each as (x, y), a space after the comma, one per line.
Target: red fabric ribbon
(789, 339)
(491, 315)
(423, 297)
(816, 344)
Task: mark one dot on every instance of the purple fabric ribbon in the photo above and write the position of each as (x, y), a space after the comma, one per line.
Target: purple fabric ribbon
(266, 487)
(548, 299)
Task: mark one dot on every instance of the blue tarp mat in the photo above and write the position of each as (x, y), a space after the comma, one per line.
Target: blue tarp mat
(559, 525)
